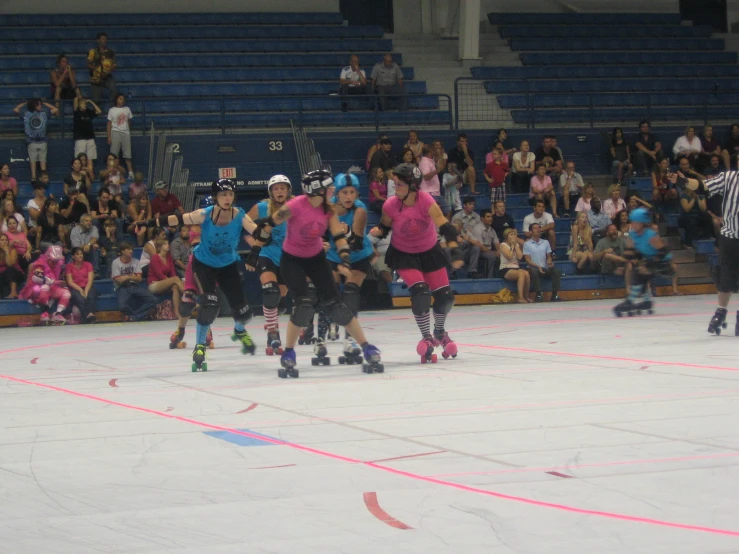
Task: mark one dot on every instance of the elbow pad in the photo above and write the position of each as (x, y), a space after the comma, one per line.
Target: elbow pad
(449, 232)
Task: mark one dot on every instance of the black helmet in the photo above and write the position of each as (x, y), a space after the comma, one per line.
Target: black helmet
(222, 185)
(409, 174)
(315, 182)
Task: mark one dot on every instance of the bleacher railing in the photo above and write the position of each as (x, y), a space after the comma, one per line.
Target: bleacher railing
(474, 107)
(224, 114)
(308, 157)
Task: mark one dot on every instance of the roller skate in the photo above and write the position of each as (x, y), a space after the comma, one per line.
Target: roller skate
(58, 319)
(425, 349)
(372, 356)
(288, 363)
(718, 321)
(333, 332)
(321, 353)
(247, 345)
(352, 352)
(44, 319)
(175, 341)
(645, 305)
(449, 346)
(209, 339)
(626, 307)
(306, 335)
(198, 359)
(274, 344)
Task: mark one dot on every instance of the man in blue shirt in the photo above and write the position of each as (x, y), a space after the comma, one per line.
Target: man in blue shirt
(35, 118)
(538, 255)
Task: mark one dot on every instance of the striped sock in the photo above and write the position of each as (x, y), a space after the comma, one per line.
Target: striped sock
(271, 317)
(424, 323)
(201, 332)
(439, 321)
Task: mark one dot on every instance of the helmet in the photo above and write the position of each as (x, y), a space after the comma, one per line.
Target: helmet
(640, 215)
(206, 201)
(54, 253)
(279, 179)
(345, 180)
(409, 174)
(314, 182)
(222, 185)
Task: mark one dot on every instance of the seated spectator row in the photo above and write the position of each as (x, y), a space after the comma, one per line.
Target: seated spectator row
(599, 71)
(652, 85)
(171, 19)
(600, 19)
(620, 44)
(628, 58)
(607, 99)
(603, 31)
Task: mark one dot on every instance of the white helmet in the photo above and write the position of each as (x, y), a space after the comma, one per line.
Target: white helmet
(276, 180)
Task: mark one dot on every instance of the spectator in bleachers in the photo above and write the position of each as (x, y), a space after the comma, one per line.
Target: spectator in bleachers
(378, 190)
(139, 209)
(663, 191)
(83, 131)
(538, 255)
(583, 204)
(378, 262)
(87, 166)
(44, 285)
(570, 185)
(710, 147)
(609, 253)
(648, 149)
(11, 274)
(352, 81)
(110, 238)
(415, 145)
(495, 174)
(101, 63)
(502, 137)
(150, 250)
(541, 189)
(50, 225)
(620, 155)
(384, 156)
(502, 221)
(441, 158)
(622, 223)
(180, 250)
(162, 277)
(545, 221)
(165, 203)
(11, 212)
(684, 168)
(6, 181)
(687, 146)
(86, 236)
(77, 179)
(464, 158)
(134, 300)
(119, 131)
(43, 179)
(18, 240)
(35, 116)
(430, 176)
(599, 220)
(634, 201)
(504, 155)
(551, 156)
(487, 241)
(372, 150)
(63, 80)
(732, 145)
(79, 276)
(614, 203)
(407, 157)
(73, 207)
(694, 217)
(33, 207)
(468, 216)
(113, 176)
(468, 246)
(137, 187)
(452, 182)
(106, 209)
(714, 165)
(580, 248)
(511, 253)
(524, 167)
(387, 82)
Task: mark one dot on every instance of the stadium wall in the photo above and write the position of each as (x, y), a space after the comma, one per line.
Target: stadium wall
(146, 6)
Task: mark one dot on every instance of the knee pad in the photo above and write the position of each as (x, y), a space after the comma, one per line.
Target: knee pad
(351, 298)
(443, 300)
(420, 299)
(270, 295)
(313, 294)
(339, 312)
(209, 309)
(303, 311)
(243, 314)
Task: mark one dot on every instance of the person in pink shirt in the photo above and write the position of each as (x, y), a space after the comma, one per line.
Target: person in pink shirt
(414, 252)
(162, 278)
(44, 285)
(303, 258)
(18, 240)
(378, 190)
(6, 181)
(541, 188)
(79, 277)
(430, 182)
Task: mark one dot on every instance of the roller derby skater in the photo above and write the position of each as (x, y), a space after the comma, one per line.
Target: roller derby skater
(266, 260)
(45, 285)
(303, 257)
(216, 260)
(414, 252)
(188, 304)
(650, 257)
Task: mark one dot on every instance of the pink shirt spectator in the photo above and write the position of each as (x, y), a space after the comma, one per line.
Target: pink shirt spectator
(305, 228)
(381, 188)
(79, 275)
(538, 186)
(583, 205)
(489, 158)
(159, 270)
(611, 209)
(11, 184)
(18, 241)
(413, 229)
(134, 189)
(432, 186)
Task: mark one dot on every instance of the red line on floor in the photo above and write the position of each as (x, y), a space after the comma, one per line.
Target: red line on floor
(408, 456)
(558, 474)
(387, 469)
(273, 467)
(112, 383)
(250, 408)
(370, 500)
(34, 360)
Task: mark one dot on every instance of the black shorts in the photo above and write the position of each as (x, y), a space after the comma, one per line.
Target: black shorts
(362, 265)
(266, 265)
(295, 271)
(228, 278)
(426, 262)
(728, 260)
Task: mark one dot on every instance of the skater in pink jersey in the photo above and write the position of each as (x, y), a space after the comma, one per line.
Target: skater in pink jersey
(45, 284)
(303, 257)
(414, 252)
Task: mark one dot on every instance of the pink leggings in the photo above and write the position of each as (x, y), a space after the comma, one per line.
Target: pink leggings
(189, 277)
(44, 294)
(434, 279)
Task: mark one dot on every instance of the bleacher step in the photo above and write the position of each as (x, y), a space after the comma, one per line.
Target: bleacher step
(695, 269)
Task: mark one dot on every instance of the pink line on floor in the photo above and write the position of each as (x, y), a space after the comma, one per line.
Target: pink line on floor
(387, 469)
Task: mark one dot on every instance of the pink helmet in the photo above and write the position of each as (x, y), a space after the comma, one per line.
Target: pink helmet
(54, 253)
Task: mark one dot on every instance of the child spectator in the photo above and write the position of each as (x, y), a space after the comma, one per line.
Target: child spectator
(6, 181)
(44, 285)
(378, 190)
(138, 210)
(119, 131)
(79, 277)
(541, 188)
(415, 145)
(34, 206)
(495, 174)
(82, 128)
(162, 276)
(138, 186)
(113, 176)
(11, 274)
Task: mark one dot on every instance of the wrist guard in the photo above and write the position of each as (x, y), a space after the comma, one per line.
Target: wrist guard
(264, 221)
(449, 232)
(356, 242)
(385, 229)
(662, 253)
(456, 254)
(340, 236)
(253, 257)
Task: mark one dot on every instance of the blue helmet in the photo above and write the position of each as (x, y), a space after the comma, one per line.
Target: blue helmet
(640, 215)
(344, 180)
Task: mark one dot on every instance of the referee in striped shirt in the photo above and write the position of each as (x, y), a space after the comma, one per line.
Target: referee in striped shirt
(727, 185)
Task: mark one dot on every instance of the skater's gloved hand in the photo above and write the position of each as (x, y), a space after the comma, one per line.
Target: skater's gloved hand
(252, 259)
(345, 267)
(457, 258)
(356, 242)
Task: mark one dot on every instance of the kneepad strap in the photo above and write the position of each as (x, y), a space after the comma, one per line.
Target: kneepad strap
(443, 300)
(209, 309)
(339, 312)
(351, 297)
(270, 295)
(303, 311)
(243, 314)
(420, 299)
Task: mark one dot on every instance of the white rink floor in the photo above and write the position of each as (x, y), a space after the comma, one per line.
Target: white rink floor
(558, 429)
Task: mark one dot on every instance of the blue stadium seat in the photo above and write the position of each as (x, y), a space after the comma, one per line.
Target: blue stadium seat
(629, 58)
(604, 72)
(603, 31)
(636, 99)
(657, 84)
(607, 19)
(615, 44)
(171, 19)
(584, 115)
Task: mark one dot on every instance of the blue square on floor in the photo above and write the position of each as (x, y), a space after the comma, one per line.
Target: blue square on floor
(240, 440)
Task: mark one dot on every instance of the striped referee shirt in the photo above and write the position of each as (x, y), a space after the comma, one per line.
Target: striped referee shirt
(727, 184)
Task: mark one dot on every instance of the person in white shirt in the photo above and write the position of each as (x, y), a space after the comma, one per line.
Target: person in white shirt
(687, 145)
(545, 221)
(352, 81)
(570, 185)
(119, 131)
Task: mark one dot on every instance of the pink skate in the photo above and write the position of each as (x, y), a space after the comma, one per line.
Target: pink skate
(58, 319)
(449, 346)
(44, 320)
(425, 349)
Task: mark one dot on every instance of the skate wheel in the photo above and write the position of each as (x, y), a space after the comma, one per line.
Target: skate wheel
(366, 368)
(454, 355)
(279, 351)
(718, 332)
(723, 325)
(212, 345)
(269, 351)
(204, 367)
(423, 359)
(631, 314)
(379, 368)
(182, 345)
(282, 373)
(434, 358)
(194, 368)
(314, 361)
(326, 361)
(638, 312)
(619, 314)
(172, 346)
(343, 360)
(294, 373)
(445, 355)
(650, 312)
